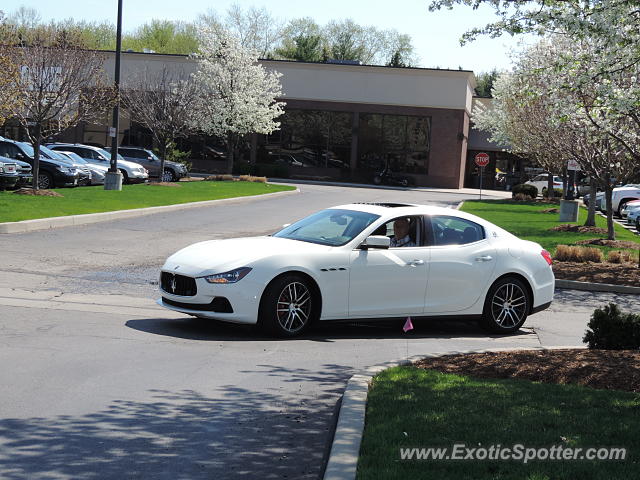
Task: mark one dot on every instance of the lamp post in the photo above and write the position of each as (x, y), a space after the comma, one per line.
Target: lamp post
(113, 179)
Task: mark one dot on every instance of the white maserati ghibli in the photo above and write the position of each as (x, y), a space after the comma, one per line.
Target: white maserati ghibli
(364, 261)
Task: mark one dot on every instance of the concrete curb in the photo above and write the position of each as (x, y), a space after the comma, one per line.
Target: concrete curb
(597, 287)
(345, 449)
(85, 219)
(461, 191)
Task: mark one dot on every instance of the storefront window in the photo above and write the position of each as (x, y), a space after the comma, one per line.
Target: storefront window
(400, 141)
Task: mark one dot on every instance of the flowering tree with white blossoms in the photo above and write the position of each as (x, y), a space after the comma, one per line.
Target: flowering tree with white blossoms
(554, 102)
(237, 95)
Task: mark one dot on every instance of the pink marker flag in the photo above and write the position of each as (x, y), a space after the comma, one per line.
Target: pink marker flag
(407, 325)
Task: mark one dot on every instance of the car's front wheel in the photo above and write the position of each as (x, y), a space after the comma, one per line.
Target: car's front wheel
(506, 306)
(289, 306)
(45, 181)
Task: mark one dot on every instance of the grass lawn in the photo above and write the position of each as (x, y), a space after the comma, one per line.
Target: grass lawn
(526, 221)
(81, 200)
(412, 407)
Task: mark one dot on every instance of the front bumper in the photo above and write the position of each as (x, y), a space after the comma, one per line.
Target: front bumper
(243, 298)
(8, 180)
(25, 180)
(138, 177)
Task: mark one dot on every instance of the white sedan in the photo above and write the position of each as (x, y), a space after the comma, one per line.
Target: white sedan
(340, 263)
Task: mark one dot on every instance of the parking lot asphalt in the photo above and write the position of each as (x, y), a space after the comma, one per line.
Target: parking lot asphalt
(100, 383)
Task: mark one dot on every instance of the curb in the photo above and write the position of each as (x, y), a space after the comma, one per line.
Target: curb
(88, 218)
(596, 287)
(345, 449)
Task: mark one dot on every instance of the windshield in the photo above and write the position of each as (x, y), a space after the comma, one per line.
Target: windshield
(333, 227)
(107, 155)
(75, 157)
(27, 148)
(47, 153)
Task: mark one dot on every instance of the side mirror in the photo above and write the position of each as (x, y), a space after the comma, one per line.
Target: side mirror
(20, 156)
(376, 241)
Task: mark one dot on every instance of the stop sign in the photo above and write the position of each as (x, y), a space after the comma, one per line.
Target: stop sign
(482, 159)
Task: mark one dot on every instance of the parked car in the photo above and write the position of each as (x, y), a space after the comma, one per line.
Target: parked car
(599, 197)
(623, 195)
(8, 173)
(629, 208)
(24, 172)
(633, 215)
(541, 182)
(173, 171)
(52, 173)
(98, 172)
(339, 264)
(84, 174)
(131, 172)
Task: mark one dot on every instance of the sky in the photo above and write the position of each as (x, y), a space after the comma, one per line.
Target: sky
(435, 35)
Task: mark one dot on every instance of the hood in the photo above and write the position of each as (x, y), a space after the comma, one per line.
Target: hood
(218, 256)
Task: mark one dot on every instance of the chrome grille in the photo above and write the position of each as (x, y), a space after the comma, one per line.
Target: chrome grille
(178, 284)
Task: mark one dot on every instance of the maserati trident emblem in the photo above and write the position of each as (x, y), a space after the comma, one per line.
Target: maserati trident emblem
(173, 284)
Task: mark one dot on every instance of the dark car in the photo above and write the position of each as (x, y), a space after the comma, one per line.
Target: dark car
(8, 173)
(173, 171)
(53, 173)
(24, 172)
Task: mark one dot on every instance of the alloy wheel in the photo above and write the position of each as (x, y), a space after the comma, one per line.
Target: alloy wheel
(43, 181)
(294, 307)
(509, 305)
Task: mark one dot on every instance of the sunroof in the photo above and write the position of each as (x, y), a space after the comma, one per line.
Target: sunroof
(388, 205)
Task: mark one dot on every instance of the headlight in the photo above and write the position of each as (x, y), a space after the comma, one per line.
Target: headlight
(232, 276)
(66, 169)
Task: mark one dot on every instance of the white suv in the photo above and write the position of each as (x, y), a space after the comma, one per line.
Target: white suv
(132, 172)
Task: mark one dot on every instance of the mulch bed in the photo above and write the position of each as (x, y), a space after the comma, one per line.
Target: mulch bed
(602, 369)
(568, 227)
(38, 193)
(613, 273)
(610, 243)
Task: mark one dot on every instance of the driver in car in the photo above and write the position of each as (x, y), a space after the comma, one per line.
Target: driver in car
(401, 236)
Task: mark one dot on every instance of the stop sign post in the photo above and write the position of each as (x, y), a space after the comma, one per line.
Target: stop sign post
(482, 160)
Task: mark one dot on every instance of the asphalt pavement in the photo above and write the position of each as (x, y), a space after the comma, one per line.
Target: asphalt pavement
(100, 383)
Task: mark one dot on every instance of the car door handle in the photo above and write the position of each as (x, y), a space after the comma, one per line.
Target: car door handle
(484, 258)
(415, 263)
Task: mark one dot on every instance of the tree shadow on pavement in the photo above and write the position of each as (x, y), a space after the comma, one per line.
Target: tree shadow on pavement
(212, 330)
(184, 435)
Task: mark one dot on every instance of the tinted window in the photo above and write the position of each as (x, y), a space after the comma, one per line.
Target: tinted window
(447, 230)
(9, 150)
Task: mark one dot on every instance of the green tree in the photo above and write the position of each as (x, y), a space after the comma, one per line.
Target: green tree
(485, 81)
(305, 48)
(163, 36)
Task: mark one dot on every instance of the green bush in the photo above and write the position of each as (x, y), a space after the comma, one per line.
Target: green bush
(557, 192)
(611, 329)
(525, 189)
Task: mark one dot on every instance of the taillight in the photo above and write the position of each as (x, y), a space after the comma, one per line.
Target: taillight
(547, 256)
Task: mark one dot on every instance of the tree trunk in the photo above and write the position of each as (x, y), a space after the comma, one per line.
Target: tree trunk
(230, 150)
(591, 212)
(37, 134)
(565, 183)
(611, 233)
(550, 192)
(163, 159)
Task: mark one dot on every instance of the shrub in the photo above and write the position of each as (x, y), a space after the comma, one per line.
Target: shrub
(530, 190)
(590, 254)
(220, 178)
(566, 253)
(611, 329)
(522, 197)
(251, 178)
(614, 257)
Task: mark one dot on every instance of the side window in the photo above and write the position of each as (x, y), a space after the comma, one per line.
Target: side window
(447, 230)
(9, 150)
(403, 231)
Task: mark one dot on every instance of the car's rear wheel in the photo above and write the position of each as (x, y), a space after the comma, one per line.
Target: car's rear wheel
(506, 306)
(45, 181)
(289, 306)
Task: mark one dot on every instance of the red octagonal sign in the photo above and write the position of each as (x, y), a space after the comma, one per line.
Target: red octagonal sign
(482, 159)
